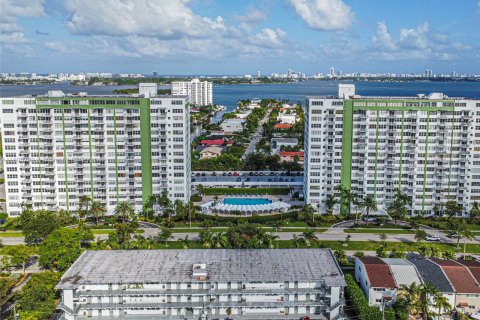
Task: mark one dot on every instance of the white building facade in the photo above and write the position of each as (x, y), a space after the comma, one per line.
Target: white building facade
(60, 147)
(203, 284)
(428, 147)
(199, 92)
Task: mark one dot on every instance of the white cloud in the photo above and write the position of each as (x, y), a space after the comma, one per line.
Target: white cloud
(383, 38)
(269, 38)
(11, 10)
(324, 14)
(416, 38)
(253, 15)
(165, 19)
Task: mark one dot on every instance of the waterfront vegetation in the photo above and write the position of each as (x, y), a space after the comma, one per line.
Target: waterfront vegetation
(169, 80)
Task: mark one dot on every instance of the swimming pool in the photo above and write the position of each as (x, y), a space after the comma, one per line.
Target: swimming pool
(246, 201)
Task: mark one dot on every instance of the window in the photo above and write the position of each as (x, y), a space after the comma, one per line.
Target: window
(7, 110)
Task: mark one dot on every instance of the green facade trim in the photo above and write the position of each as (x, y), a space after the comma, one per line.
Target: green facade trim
(146, 150)
(142, 104)
(376, 155)
(65, 159)
(451, 155)
(91, 156)
(401, 152)
(116, 152)
(39, 158)
(425, 161)
(347, 140)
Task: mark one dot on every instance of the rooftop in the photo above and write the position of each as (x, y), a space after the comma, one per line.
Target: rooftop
(431, 273)
(459, 276)
(403, 271)
(212, 149)
(157, 266)
(282, 126)
(285, 140)
(378, 273)
(292, 153)
(473, 266)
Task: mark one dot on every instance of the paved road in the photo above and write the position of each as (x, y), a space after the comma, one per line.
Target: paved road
(256, 136)
(339, 235)
(331, 234)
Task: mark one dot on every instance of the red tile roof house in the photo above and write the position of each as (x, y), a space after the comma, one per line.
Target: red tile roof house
(282, 126)
(216, 142)
(467, 288)
(289, 156)
(376, 279)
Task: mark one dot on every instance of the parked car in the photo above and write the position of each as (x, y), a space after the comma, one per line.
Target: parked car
(432, 238)
(235, 174)
(198, 174)
(451, 235)
(250, 174)
(203, 174)
(2, 221)
(229, 174)
(224, 174)
(214, 174)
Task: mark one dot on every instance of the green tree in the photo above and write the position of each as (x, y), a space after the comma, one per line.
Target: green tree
(474, 212)
(98, 210)
(420, 235)
(310, 237)
(369, 204)
(37, 300)
(61, 248)
(124, 210)
(383, 239)
(409, 296)
(164, 234)
(441, 303)
(206, 238)
(341, 256)
(452, 208)
(220, 240)
(84, 206)
(19, 255)
(465, 233)
(330, 202)
(37, 225)
(398, 208)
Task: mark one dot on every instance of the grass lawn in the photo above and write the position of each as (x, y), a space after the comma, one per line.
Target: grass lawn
(378, 231)
(10, 234)
(267, 229)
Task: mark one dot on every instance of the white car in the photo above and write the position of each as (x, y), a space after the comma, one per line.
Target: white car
(432, 238)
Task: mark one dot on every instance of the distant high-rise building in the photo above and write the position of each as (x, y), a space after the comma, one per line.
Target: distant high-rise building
(199, 92)
(258, 74)
(332, 71)
(428, 73)
(454, 74)
(155, 74)
(58, 148)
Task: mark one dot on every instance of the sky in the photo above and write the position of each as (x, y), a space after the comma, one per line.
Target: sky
(215, 37)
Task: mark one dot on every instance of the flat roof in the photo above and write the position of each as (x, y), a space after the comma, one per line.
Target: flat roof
(222, 265)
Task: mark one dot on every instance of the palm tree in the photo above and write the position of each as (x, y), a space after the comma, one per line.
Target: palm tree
(409, 297)
(83, 202)
(192, 211)
(369, 204)
(147, 207)
(441, 303)
(309, 237)
(98, 210)
(398, 209)
(270, 239)
(465, 233)
(221, 240)
(330, 202)
(200, 189)
(347, 198)
(426, 291)
(298, 242)
(474, 211)
(124, 210)
(185, 242)
(383, 239)
(206, 238)
(308, 210)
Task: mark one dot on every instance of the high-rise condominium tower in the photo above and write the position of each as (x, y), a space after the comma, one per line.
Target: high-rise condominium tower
(60, 147)
(199, 92)
(426, 146)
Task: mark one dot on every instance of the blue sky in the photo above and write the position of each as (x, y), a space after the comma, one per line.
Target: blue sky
(239, 37)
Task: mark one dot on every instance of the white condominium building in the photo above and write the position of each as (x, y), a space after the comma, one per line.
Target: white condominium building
(199, 92)
(60, 147)
(203, 284)
(427, 146)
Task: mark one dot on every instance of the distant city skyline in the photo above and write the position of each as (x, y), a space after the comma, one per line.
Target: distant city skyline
(214, 37)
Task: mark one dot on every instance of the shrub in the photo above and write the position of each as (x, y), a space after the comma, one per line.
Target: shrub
(196, 198)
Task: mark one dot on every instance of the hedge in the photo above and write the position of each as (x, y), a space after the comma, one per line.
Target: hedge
(359, 304)
(223, 191)
(252, 219)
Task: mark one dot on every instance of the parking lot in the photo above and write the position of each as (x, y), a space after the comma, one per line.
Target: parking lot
(248, 179)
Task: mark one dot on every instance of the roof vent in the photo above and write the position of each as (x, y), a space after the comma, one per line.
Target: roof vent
(199, 271)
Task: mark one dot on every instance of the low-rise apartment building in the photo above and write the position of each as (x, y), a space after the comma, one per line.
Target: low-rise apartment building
(203, 284)
(376, 280)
